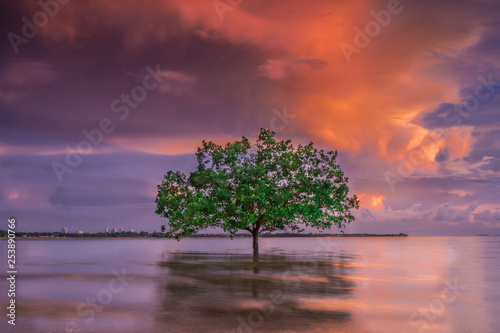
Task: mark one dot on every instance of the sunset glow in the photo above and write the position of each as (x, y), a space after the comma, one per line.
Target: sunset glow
(96, 107)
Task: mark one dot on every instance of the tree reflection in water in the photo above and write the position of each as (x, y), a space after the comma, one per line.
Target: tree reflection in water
(217, 292)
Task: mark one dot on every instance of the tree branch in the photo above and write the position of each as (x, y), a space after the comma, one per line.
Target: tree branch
(270, 229)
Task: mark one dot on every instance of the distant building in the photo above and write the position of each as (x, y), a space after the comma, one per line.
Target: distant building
(106, 230)
(64, 230)
(131, 230)
(113, 230)
(78, 232)
(120, 230)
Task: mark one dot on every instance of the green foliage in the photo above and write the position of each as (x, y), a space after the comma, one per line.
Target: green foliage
(275, 186)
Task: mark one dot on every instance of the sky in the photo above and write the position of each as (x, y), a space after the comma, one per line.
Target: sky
(99, 99)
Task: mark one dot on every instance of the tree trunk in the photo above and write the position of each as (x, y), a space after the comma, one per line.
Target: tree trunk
(255, 243)
(255, 254)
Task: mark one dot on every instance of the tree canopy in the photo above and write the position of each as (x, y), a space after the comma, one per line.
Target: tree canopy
(272, 186)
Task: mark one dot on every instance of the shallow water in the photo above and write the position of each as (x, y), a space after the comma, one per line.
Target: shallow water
(403, 285)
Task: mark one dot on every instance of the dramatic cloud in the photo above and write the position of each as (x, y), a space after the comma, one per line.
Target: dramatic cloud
(408, 92)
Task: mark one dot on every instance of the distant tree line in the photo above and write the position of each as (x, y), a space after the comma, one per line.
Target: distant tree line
(287, 234)
(143, 234)
(124, 234)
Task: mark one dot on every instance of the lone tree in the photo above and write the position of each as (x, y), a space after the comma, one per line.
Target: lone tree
(273, 187)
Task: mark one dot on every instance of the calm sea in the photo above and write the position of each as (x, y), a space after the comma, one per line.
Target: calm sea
(360, 285)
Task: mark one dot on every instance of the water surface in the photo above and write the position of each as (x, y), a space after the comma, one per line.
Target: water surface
(411, 284)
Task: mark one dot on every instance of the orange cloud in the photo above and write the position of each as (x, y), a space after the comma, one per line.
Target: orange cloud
(372, 201)
(13, 196)
(459, 142)
(366, 104)
(166, 146)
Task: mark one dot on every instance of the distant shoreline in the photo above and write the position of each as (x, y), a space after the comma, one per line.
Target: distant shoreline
(281, 235)
(235, 236)
(160, 236)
